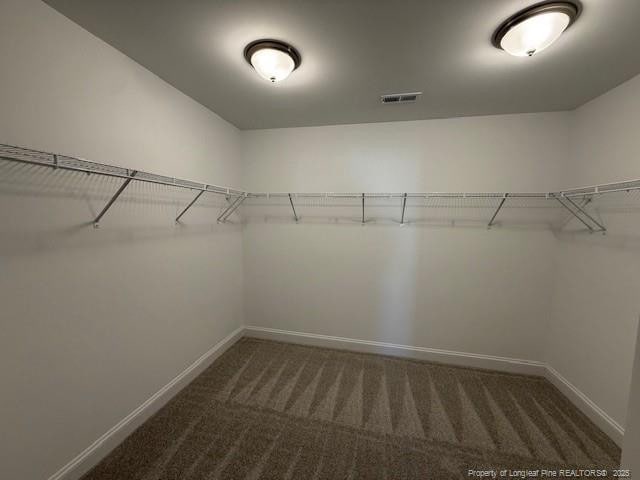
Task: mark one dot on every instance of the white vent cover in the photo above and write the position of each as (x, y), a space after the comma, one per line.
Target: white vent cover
(400, 97)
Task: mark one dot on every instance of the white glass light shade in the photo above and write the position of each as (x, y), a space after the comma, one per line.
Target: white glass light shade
(271, 64)
(534, 34)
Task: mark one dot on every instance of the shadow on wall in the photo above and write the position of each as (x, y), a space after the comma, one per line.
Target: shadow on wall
(619, 213)
(43, 209)
(616, 241)
(379, 222)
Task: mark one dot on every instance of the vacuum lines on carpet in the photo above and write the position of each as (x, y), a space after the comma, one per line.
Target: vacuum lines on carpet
(274, 410)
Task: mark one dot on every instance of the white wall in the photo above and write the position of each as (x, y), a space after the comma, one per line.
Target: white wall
(596, 303)
(462, 288)
(93, 322)
(571, 301)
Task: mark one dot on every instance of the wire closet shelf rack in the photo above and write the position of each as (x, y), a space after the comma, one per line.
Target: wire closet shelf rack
(55, 161)
(553, 208)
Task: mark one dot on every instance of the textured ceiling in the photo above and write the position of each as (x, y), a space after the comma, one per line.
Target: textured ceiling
(354, 51)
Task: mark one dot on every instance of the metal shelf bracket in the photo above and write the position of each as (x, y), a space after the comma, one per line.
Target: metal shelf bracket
(561, 199)
(295, 215)
(125, 184)
(601, 227)
(404, 206)
(231, 208)
(190, 204)
(493, 218)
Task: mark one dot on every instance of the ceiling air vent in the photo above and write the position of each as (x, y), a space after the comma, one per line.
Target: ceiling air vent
(400, 97)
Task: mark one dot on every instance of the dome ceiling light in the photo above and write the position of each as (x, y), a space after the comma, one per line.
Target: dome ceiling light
(530, 31)
(273, 60)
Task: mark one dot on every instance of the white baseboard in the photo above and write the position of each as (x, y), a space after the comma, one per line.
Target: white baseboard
(505, 364)
(476, 360)
(586, 405)
(95, 452)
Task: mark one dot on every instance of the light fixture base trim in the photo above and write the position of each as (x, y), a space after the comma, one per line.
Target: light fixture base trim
(571, 9)
(253, 47)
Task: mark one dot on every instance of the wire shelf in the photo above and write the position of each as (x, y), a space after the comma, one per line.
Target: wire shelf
(64, 162)
(552, 209)
(419, 208)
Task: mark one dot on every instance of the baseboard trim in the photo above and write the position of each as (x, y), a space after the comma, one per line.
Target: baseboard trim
(596, 414)
(474, 360)
(95, 452)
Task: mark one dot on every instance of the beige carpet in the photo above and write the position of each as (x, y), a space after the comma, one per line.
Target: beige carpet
(281, 411)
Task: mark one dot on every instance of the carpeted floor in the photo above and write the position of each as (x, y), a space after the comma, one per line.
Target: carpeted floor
(281, 411)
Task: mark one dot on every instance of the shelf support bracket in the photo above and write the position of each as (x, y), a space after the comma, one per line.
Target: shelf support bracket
(295, 215)
(404, 206)
(190, 204)
(363, 208)
(125, 184)
(229, 207)
(493, 219)
(232, 208)
(601, 227)
(573, 213)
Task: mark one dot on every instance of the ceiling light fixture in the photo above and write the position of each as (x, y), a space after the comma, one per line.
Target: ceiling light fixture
(273, 60)
(532, 30)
